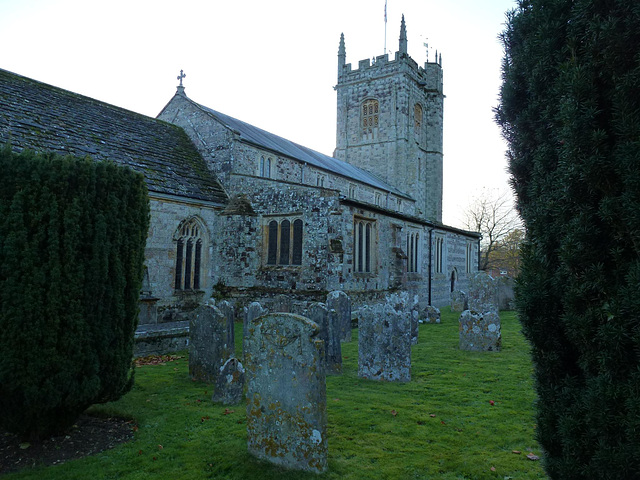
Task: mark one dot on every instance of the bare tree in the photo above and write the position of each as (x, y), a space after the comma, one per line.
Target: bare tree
(491, 213)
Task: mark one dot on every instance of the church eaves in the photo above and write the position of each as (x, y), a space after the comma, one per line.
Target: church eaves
(43, 118)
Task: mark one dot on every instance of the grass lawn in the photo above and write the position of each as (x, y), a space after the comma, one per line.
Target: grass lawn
(440, 425)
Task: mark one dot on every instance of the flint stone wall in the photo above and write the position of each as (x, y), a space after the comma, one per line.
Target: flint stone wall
(286, 392)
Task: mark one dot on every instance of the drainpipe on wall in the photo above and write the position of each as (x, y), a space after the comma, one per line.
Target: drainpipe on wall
(479, 252)
(430, 262)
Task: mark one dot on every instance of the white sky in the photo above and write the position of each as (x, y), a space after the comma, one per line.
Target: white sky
(270, 63)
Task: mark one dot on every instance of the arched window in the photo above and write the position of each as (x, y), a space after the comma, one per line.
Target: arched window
(284, 243)
(189, 241)
(412, 252)
(265, 167)
(439, 254)
(370, 112)
(417, 119)
(363, 253)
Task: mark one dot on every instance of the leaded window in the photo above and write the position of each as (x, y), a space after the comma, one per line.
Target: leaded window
(284, 242)
(363, 254)
(188, 270)
(369, 115)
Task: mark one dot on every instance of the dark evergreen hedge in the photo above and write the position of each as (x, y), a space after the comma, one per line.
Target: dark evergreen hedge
(570, 110)
(72, 238)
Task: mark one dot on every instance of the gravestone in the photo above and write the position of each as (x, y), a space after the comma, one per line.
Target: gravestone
(480, 332)
(483, 293)
(384, 343)
(229, 312)
(459, 301)
(339, 305)
(330, 334)
(230, 383)
(402, 302)
(254, 310)
(432, 314)
(208, 343)
(286, 392)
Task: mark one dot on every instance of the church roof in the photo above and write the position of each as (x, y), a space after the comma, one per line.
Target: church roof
(262, 138)
(43, 118)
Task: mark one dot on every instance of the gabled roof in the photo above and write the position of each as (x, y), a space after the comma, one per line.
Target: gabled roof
(270, 141)
(40, 117)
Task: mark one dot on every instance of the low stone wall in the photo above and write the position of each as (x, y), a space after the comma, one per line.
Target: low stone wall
(161, 338)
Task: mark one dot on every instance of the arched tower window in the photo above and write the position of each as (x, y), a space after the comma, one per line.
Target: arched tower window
(189, 239)
(417, 119)
(369, 115)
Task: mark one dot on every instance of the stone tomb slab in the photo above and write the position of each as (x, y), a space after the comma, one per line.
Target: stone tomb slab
(286, 392)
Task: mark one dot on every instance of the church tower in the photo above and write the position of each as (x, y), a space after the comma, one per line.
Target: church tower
(390, 123)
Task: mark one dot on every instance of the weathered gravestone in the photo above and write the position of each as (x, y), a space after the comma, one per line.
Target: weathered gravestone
(254, 310)
(208, 343)
(483, 293)
(286, 392)
(339, 305)
(480, 332)
(459, 301)
(330, 334)
(402, 302)
(432, 314)
(384, 343)
(230, 383)
(230, 314)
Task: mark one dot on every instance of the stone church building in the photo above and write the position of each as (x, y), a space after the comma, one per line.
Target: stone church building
(239, 212)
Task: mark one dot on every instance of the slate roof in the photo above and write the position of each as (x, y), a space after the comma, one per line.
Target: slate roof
(262, 138)
(40, 117)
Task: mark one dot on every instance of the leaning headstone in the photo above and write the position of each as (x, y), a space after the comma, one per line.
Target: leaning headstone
(329, 334)
(384, 343)
(339, 305)
(483, 293)
(208, 343)
(286, 392)
(432, 314)
(230, 314)
(459, 301)
(230, 383)
(254, 310)
(480, 332)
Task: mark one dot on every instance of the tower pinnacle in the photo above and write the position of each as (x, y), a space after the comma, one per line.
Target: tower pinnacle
(403, 37)
(342, 55)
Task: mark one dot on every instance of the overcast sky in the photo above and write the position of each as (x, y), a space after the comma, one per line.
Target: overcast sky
(270, 63)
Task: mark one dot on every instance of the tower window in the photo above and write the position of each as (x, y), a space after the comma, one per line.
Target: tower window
(417, 119)
(284, 242)
(370, 118)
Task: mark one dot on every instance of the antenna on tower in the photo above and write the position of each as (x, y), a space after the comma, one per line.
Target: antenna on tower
(426, 44)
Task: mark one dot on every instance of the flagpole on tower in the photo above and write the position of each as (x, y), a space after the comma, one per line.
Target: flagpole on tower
(385, 27)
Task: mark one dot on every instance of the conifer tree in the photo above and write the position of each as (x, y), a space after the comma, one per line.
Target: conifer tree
(570, 111)
(72, 238)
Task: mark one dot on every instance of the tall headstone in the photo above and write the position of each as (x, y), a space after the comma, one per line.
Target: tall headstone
(329, 334)
(252, 311)
(384, 343)
(402, 301)
(459, 301)
(208, 343)
(230, 383)
(480, 332)
(286, 392)
(339, 305)
(483, 293)
(229, 313)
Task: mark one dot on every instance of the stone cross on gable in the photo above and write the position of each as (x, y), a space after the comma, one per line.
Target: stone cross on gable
(181, 76)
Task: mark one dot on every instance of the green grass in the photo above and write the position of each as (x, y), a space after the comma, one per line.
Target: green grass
(444, 426)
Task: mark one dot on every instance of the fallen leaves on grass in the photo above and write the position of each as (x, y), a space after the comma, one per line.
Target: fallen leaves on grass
(227, 411)
(156, 360)
(394, 413)
(533, 457)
